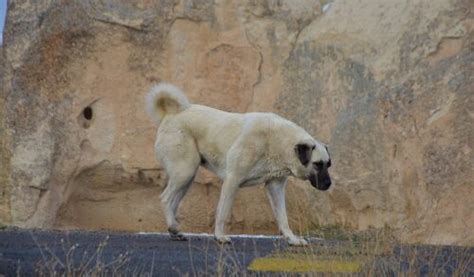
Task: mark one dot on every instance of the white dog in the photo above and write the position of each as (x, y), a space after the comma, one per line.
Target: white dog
(242, 149)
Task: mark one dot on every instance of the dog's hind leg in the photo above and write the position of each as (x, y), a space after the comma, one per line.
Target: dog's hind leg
(276, 194)
(179, 182)
(181, 169)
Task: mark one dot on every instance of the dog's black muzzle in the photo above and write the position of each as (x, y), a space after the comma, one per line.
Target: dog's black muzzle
(320, 179)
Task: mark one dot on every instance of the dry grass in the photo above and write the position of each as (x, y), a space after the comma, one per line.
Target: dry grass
(91, 264)
(338, 250)
(342, 251)
(374, 252)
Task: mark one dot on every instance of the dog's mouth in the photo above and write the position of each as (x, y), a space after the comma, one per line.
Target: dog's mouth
(320, 180)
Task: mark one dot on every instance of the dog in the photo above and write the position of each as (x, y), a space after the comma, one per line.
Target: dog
(243, 149)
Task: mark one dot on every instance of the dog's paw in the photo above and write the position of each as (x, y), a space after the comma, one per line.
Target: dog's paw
(177, 236)
(297, 241)
(223, 240)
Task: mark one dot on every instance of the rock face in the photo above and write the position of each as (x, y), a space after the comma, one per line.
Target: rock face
(388, 85)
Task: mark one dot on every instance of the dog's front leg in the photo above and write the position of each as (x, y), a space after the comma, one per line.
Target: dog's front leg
(276, 194)
(229, 189)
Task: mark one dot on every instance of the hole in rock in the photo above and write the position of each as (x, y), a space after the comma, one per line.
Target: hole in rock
(87, 112)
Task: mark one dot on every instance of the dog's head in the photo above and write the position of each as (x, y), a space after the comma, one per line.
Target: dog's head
(315, 158)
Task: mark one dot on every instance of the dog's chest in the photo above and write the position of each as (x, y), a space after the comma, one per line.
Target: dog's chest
(265, 176)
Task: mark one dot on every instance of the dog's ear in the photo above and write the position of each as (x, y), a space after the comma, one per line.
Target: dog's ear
(327, 150)
(329, 155)
(303, 151)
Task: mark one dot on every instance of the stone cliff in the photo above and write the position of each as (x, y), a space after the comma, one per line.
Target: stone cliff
(387, 84)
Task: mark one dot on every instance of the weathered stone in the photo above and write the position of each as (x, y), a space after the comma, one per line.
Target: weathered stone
(5, 211)
(375, 91)
(388, 85)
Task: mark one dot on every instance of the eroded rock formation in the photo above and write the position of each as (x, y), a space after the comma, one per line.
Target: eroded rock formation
(388, 85)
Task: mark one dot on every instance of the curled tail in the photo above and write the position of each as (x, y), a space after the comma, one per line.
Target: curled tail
(164, 99)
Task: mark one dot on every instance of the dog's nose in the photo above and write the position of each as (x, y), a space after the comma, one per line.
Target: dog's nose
(327, 183)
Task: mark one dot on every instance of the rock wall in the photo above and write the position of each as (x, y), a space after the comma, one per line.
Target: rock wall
(388, 84)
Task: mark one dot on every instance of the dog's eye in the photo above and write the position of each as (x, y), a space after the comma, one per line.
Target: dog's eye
(319, 164)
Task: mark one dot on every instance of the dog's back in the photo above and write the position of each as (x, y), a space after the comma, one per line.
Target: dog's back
(211, 130)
